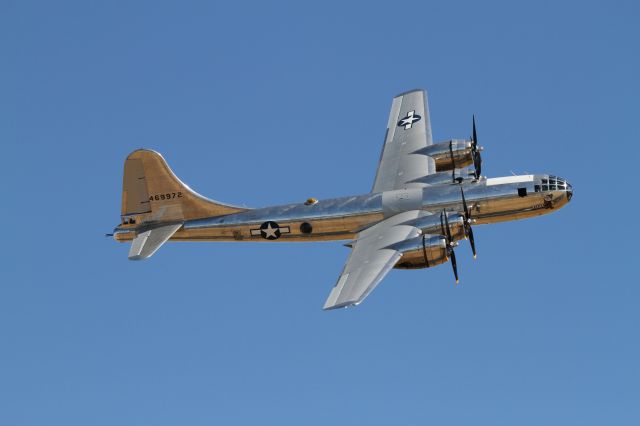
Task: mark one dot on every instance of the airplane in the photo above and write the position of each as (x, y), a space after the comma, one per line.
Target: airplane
(425, 198)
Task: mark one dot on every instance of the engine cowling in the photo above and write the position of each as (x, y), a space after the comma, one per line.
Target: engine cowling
(424, 251)
(449, 155)
(435, 225)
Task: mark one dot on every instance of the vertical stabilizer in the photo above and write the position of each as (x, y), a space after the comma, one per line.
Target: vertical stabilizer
(151, 192)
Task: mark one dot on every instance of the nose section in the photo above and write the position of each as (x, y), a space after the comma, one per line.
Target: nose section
(569, 191)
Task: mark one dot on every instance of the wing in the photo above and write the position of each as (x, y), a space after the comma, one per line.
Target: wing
(370, 260)
(408, 130)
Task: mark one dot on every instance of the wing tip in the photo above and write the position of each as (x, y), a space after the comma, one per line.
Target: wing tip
(328, 307)
(410, 91)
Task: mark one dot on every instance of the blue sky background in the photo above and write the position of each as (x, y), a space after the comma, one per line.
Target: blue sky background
(259, 104)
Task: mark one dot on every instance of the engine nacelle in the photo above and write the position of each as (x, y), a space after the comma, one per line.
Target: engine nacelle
(434, 224)
(424, 251)
(449, 155)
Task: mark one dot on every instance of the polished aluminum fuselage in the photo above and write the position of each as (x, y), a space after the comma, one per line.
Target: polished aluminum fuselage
(489, 201)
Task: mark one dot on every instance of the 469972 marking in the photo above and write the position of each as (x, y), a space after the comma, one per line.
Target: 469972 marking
(167, 196)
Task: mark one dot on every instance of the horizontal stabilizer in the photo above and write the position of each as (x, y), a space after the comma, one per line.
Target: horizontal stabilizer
(148, 242)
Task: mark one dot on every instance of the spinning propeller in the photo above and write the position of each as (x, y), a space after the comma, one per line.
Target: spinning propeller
(444, 220)
(468, 232)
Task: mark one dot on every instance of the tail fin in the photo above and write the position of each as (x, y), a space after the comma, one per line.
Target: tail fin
(152, 193)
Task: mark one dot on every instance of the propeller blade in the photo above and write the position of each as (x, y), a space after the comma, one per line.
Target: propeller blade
(477, 163)
(474, 138)
(472, 242)
(477, 159)
(467, 224)
(446, 224)
(454, 264)
(424, 251)
(450, 244)
(464, 205)
(453, 162)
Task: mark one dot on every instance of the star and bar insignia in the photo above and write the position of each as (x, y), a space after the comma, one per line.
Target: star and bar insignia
(270, 231)
(408, 121)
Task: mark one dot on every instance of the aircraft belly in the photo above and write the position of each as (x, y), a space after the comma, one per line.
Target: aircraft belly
(514, 208)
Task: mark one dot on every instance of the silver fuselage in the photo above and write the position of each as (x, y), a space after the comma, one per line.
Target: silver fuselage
(489, 200)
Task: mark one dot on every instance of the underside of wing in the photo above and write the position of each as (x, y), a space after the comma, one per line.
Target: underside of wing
(408, 130)
(371, 259)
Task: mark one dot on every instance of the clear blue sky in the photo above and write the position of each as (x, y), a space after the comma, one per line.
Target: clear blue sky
(262, 104)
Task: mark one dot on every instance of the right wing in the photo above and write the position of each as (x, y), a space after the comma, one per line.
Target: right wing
(371, 260)
(408, 130)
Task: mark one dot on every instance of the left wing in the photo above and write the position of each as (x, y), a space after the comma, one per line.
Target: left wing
(371, 260)
(408, 130)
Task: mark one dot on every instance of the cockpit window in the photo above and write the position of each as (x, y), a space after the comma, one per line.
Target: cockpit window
(553, 183)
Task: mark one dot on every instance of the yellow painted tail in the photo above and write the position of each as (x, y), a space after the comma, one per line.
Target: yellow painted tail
(152, 193)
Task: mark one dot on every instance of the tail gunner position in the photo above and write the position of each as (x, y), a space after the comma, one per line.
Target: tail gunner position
(424, 199)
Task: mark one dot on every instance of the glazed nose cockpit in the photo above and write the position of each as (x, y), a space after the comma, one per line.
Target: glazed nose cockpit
(554, 183)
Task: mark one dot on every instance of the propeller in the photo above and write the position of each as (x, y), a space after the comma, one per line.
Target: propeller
(475, 151)
(450, 244)
(424, 250)
(467, 223)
